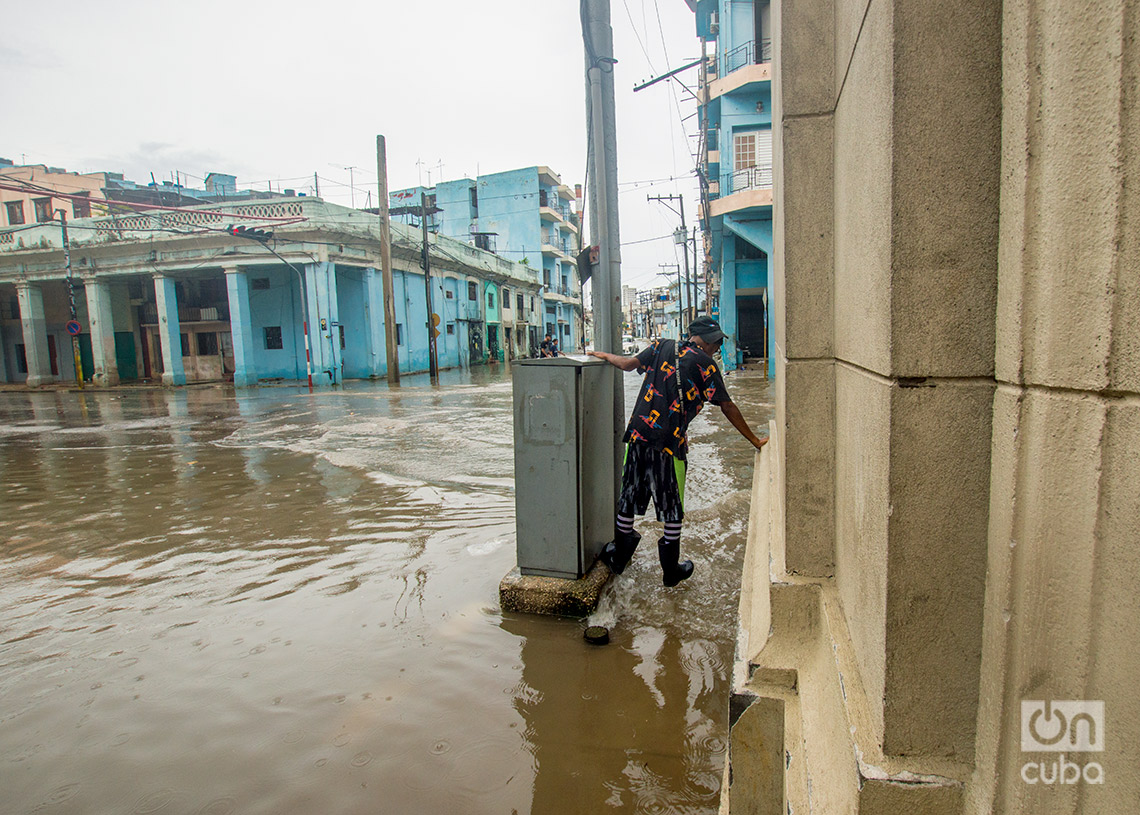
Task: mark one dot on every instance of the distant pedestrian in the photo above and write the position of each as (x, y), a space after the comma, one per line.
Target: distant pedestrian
(679, 379)
(546, 349)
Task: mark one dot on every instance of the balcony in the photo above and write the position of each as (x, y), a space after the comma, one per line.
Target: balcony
(744, 189)
(555, 244)
(745, 65)
(746, 54)
(563, 294)
(551, 207)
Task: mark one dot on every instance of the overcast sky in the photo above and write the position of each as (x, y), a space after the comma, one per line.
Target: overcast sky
(275, 91)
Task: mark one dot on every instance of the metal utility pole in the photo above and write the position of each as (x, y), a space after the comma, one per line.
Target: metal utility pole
(393, 352)
(433, 360)
(71, 302)
(598, 40)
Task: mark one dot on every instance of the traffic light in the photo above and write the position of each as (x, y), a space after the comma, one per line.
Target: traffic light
(259, 235)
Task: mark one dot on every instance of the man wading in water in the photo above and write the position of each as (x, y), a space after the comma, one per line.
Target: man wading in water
(678, 382)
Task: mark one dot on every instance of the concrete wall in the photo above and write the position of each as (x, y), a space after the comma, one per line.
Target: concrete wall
(955, 266)
(1062, 609)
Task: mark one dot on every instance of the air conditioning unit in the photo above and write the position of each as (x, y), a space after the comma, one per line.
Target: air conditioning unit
(714, 22)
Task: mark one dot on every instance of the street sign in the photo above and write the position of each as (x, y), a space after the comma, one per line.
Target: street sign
(73, 328)
(434, 325)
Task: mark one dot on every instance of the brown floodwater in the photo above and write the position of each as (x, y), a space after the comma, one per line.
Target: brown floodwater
(272, 601)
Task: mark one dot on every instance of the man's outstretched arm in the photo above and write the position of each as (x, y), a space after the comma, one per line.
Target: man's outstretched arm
(733, 414)
(625, 363)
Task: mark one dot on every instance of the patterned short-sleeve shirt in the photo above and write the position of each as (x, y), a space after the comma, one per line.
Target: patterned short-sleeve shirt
(662, 414)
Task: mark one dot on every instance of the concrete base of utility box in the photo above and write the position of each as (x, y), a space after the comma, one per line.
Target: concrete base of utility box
(557, 596)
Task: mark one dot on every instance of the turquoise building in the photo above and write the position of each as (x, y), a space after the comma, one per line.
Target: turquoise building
(174, 296)
(527, 216)
(736, 171)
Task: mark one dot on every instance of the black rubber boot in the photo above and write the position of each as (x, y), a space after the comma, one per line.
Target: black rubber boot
(672, 572)
(617, 555)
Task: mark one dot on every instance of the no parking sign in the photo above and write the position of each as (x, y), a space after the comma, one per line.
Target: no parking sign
(73, 328)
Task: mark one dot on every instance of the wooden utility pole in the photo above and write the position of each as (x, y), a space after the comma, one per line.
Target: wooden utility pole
(392, 350)
(433, 360)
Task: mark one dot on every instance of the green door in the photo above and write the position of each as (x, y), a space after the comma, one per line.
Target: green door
(125, 356)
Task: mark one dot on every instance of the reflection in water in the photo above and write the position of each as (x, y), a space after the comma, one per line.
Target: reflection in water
(282, 602)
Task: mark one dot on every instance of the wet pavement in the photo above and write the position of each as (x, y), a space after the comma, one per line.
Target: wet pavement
(277, 602)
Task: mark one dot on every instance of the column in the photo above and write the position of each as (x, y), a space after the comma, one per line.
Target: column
(170, 337)
(241, 328)
(324, 325)
(374, 314)
(3, 358)
(106, 371)
(34, 325)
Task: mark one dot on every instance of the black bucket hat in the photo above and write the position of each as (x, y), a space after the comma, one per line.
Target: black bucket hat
(707, 329)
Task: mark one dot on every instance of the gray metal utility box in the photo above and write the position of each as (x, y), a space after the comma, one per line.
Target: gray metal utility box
(564, 463)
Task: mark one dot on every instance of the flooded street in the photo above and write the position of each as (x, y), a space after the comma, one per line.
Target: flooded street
(277, 602)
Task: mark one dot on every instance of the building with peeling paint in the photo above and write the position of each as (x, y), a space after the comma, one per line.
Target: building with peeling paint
(735, 155)
(528, 216)
(174, 296)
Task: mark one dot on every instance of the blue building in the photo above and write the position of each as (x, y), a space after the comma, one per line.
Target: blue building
(173, 295)
(527, 216)
(736, 170)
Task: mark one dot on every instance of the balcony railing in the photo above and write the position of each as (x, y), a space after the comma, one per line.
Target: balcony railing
(554, 202)
(746, 54)
(556, 240)
(750, 178)
(565, 291)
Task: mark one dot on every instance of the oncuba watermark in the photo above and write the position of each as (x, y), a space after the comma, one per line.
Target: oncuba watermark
(1062, 726)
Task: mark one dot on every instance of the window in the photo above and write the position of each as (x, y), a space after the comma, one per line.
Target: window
(15, 212)
(451, 328)
(507, 299)
(490, 299)
(207, 344)
(519, 303)
(751, 160)
(185, 344)
(532, 302)
(341, 327)
(43, 210)
(399, 334)
(472, 291)
(21, 358)
(80, 206)
(259, 283)
(550, 310)
(273, 338)
(449, 294)
(474, 201)
(743, 151)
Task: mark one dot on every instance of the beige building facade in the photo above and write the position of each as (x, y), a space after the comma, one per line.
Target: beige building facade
(18, 206)
(940, 604)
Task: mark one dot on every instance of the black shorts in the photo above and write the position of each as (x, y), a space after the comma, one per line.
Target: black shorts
(649, 472)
